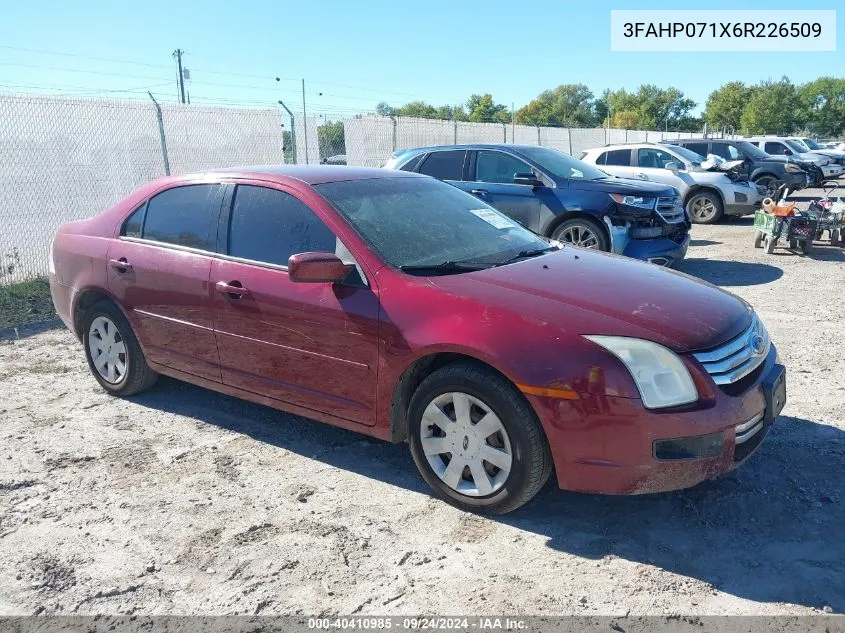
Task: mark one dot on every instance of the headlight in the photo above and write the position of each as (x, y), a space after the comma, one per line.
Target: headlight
(661, 377)
(642, 202)
(793, 169)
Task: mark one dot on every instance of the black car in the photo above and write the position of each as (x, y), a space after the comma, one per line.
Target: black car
(761, 168)
(561, 197)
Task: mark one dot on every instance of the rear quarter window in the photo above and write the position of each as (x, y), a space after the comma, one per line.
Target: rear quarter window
(448, 165)
(618, 157)
(698, 148)
(183, 216)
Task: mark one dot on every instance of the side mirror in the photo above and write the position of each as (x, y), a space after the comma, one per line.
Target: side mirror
(787, 152)
(673, 166)
(527, 179)
(317, 268)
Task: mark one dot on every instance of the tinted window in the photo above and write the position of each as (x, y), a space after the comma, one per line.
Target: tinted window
(268, 225)
(621, 157)
(698, 148)
(499, 167)
(411, 165)
(134, 223)
(182, 215)
(775, 148)
(728, 152)
(650, 157)
(444, 165)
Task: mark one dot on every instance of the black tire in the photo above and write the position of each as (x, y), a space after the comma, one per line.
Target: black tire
(769, 245)
(758, 240)
(138, 375)
(708, 205)
(834, 237)
(806, 246)
(531, 459)
(563, 231)
(793, 245)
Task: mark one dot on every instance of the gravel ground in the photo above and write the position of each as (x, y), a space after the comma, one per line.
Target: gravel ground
(183, 501)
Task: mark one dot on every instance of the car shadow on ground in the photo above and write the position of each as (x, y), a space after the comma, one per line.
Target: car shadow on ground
(770, 531)
(729, 273)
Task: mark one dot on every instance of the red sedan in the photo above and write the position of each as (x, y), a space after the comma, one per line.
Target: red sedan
(401, 307)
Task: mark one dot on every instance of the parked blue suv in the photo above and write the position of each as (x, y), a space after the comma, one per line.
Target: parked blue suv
(561, 197)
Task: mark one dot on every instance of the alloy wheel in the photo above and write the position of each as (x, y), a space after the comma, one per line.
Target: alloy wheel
(703, 209)
(580, 235)
(107, 349)
(466, 444)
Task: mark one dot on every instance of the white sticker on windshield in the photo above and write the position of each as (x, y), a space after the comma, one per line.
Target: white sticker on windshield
(493, 218)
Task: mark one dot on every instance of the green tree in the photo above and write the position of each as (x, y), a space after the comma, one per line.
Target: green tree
(771, 108)
(725, 105)
(383, 109)
(649, 108)
(570, 105)
(330, 139)
(482, 108)
(821, 106)
(418, 109)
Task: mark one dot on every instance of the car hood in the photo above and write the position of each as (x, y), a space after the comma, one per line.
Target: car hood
(624, 186)
(588, 292)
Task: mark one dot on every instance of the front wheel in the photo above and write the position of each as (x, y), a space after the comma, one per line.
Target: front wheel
(476, 441)
(582, 232)
(770, 183)
(705, 208)
(113, 353)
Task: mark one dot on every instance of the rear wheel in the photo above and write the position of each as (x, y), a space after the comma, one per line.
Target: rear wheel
(769, 245)
(705, 207)
(476, 441)
(113, 353)
(582, 232)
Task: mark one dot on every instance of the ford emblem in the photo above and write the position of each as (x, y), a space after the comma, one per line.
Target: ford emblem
(758, 345)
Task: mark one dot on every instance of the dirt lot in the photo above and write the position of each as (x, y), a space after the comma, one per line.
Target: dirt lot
(185, 501)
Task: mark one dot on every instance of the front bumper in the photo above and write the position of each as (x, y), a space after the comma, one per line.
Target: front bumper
(613, 445)
(662, 251)
(832, 170)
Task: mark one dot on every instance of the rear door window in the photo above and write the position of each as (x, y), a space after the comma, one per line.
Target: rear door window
(448, 165)
(618, 157)
(698, 148)
(268, 225)
(183, 216)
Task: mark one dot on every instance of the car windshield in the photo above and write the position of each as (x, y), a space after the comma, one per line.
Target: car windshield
(751, 150)
(425, 223)
(795, 146)
(810, 143)
(562, 165)
(687, 154)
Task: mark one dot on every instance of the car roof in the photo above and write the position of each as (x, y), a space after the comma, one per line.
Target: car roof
(493, 146)
(309, 174)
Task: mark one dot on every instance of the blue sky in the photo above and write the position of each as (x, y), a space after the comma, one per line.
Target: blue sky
(355, 54)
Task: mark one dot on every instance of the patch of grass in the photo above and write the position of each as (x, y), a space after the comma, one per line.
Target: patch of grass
(25, 302)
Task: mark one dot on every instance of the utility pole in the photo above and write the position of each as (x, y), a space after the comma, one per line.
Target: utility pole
(304, 123)
(177, 55)
(513, 124)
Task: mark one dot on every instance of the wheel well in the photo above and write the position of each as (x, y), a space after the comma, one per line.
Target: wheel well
(764, 175)
(569, 215)
(412, 377)
(699, 188)
(88, 299)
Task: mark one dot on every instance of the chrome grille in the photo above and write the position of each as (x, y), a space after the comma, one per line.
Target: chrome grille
(738, 357)
(670, 209)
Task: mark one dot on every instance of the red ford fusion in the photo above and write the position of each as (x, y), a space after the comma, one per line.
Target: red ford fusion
(398, 306)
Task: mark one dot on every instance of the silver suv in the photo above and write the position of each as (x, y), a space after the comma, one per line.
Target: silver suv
(709, 187)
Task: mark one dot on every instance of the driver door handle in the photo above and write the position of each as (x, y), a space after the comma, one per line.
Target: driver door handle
(121, 265)
(235, 292)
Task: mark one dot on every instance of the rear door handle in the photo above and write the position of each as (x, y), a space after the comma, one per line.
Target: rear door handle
(121, 265)
(478, 192)
(234, 292)
(641, 176)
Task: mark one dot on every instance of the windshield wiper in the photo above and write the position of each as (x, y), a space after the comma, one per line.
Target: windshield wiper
(525, 254)
(445, 267)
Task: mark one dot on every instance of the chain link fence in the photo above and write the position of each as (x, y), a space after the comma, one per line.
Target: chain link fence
(63, 159)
